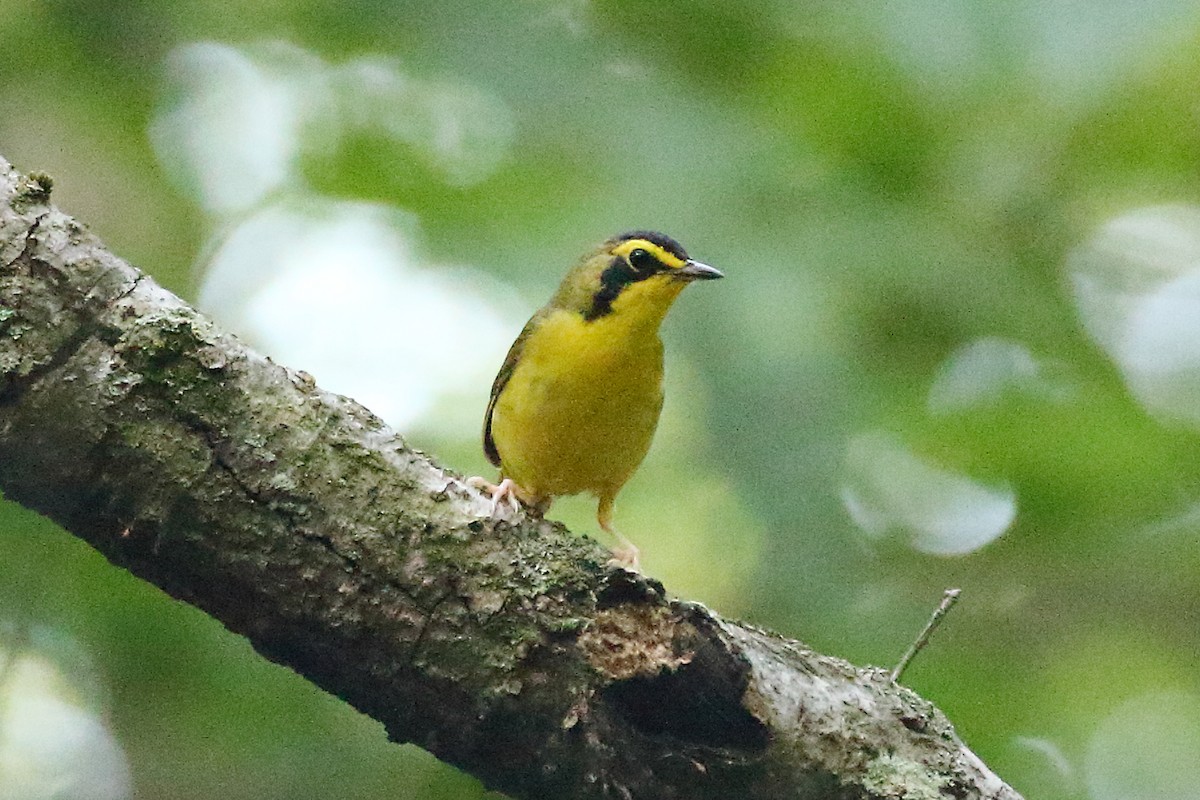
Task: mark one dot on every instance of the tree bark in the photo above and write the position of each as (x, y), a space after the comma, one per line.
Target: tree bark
(504, 646)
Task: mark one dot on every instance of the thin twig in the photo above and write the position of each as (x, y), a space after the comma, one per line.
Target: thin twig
(949, 598)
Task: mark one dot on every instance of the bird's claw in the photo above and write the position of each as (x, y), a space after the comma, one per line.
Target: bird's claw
(627, 556)
(503, 492)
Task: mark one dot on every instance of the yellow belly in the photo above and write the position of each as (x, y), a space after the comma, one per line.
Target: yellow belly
(581, 407)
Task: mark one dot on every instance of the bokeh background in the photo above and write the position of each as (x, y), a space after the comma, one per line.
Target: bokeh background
(958, 343)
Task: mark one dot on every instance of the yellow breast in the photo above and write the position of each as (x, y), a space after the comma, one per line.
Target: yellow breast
(581, 406)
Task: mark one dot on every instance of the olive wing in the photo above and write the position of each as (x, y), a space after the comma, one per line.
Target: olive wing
(506, 371)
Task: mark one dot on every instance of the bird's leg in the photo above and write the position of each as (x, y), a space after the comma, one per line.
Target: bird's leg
(626, 553)
(537, 505)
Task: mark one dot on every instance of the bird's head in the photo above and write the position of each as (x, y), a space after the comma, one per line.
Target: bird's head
(636, 275)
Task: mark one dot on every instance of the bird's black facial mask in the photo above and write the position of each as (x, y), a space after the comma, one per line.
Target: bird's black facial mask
(619, 274)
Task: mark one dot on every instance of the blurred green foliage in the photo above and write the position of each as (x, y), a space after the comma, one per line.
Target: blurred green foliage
(882, 184)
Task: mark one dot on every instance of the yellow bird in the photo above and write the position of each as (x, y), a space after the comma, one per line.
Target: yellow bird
(577, 400)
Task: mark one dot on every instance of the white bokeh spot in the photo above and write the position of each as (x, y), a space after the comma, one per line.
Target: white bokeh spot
(235, 125)
(1146, 749)
(335, 288)
(890, 491)
(1136, 284)
(983, 372)
(53, 746)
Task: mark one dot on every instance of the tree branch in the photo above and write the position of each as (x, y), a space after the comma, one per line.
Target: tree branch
(294, 516)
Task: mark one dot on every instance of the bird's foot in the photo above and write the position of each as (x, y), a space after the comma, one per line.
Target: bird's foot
(627, 556)
(509, 493)
(506, 492)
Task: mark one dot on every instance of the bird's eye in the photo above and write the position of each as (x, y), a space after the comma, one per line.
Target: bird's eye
(642, 261)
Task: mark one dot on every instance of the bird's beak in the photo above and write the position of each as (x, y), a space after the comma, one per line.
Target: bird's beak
(695, 271)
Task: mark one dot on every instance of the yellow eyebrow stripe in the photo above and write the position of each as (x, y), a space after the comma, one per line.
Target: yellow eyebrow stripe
(665, 257)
